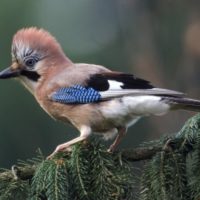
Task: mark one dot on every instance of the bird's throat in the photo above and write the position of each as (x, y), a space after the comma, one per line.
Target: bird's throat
(30, 80)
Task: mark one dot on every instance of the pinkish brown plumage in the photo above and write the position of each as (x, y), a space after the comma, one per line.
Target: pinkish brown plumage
(37, 39)
(92, 98)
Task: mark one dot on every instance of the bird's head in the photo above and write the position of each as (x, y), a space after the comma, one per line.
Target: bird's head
(35, 52)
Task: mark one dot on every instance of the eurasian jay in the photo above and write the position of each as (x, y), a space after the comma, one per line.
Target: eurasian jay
(91, 97)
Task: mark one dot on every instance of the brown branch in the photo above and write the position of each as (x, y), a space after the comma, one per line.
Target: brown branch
(141, 153)
(145, 153)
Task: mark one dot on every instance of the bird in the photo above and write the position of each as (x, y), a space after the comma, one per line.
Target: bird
(92, 98)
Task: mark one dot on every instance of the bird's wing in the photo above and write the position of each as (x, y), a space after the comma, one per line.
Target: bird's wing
(76, 94)
(105, 86)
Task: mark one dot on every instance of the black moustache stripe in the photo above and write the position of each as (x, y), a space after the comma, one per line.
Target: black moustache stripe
(34, 76)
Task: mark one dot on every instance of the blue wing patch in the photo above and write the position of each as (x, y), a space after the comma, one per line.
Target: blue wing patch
(76, 94)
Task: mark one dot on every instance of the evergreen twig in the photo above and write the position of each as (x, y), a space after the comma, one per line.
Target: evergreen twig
(133, 154)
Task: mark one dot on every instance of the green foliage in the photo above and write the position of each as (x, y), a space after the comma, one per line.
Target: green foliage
(89, 172)
(14, 189)
(165, 178)
(97, 174)
(50, 180)
(173, 174)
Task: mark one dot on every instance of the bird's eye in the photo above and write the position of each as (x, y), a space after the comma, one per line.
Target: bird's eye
(30, 62)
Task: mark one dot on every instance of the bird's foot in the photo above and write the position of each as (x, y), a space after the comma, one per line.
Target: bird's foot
(121, 133)
(60, 148)
(66, 147)
(111, 149)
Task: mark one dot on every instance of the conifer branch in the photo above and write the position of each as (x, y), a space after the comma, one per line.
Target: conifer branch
(141, 153)
(89, 171)
(132, 154)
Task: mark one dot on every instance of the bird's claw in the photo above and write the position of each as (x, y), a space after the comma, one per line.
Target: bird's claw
(59, 148)
(111, 149)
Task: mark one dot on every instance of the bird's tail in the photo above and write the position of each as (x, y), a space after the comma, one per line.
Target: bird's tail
(183, 103)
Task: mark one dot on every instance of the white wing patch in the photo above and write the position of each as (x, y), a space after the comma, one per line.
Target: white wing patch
(114, 85)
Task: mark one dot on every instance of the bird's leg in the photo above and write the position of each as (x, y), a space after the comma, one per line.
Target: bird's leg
(121, 134)
(85, 132)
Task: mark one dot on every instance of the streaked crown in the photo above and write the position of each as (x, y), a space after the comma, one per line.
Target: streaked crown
(35, 43)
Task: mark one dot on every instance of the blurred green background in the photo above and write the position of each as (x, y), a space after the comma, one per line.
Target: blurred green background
(158, 40)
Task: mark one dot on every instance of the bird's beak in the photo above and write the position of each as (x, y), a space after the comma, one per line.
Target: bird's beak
(9, 73)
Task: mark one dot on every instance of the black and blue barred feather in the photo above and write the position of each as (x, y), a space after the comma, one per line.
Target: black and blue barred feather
(76, 94)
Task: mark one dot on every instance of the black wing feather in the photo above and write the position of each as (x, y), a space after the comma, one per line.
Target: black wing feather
(100, 81)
